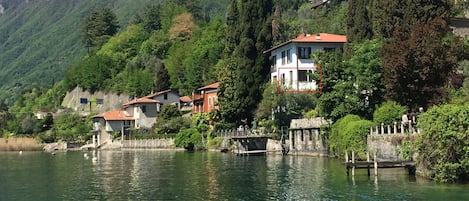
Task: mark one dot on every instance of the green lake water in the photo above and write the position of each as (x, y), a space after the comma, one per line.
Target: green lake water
(178, 175)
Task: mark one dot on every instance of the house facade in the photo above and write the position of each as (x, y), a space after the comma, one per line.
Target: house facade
(106, 123)
(143, 110)
(205, 99)
(166, 97)
(292, 66)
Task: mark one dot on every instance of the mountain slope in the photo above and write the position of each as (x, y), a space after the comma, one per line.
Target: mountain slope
(40, 39)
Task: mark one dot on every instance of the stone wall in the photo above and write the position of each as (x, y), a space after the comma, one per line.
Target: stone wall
(388, 146)
(111, 101)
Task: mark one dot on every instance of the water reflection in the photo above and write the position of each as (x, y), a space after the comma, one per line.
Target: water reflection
(172, 175)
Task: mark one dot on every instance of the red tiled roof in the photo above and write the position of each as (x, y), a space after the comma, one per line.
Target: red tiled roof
(140, 100)
(210, 86)
(185, 99)
(158, 93)
(320, 38)
(313, 38)
(116, 115)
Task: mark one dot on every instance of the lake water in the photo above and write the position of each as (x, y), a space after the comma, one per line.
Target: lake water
(178, 175)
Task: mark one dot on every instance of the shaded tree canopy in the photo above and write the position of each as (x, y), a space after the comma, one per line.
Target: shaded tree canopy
(248, 35)
(98, 28)
(416, 67)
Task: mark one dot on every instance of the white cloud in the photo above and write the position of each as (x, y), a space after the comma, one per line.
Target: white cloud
(2, 9)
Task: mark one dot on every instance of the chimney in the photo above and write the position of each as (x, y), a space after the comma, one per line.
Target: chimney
(318, 37)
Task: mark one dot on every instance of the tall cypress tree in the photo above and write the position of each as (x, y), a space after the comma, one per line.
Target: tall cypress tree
(248, 35)
(359, 27)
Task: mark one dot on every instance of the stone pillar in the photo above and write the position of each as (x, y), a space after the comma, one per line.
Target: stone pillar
(290, 139)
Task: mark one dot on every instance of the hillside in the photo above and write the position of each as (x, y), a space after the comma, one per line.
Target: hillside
(40, 39)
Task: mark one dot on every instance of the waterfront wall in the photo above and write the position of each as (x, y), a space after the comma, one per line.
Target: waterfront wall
(19, 144)
(389, 146)
(149, 144)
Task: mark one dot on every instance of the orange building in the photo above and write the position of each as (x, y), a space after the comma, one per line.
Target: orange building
(205, 99)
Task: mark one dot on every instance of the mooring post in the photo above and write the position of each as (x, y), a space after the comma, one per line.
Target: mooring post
(375, 164)
(353, 163)
(368, 162)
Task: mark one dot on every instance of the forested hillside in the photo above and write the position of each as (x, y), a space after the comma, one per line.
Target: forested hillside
(40, 39)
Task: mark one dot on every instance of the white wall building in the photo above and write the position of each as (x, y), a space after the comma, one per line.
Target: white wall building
(292, 66)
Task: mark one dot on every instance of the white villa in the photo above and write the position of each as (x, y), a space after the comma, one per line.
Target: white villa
(292, 65)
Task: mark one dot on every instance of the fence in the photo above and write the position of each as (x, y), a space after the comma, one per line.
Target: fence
(396, 128)
(167, 143)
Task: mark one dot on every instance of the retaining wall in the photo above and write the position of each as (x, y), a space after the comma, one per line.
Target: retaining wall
(388, 146)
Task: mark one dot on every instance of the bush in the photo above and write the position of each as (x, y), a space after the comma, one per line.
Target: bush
(349, 133)
(443, 146)
(388, 113)
(188, 138)
(311, 114)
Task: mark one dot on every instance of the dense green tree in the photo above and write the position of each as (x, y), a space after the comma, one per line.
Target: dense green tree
(281, 108)
(388, 113)
(124, 46)
(359, 27)
(416, 67)
(207, 50)
(442, 146)
(90, 73)
(253, 28)
(70, 126)
(151, 20)
(162, 78)
(351, 86)
(158, 44)
(98, 27)
(389, 16)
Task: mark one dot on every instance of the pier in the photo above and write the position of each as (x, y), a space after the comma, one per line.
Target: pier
(352, 164)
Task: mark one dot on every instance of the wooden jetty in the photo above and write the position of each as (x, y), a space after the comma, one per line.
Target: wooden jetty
(251, 152)
(375, 164)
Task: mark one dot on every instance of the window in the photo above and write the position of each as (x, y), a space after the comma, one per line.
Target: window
(273, 67)
(284, 58)
(329, 49)
(166, 96)
(144, 108)
(289, 56)
(283, 79)
(305, 76)
(304, 52)
(210, 102)
(274, 61)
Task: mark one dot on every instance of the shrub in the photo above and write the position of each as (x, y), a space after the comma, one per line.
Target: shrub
(388, 113)
(349, 133)
(188, 138)
(443, 152)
